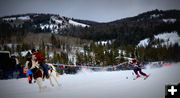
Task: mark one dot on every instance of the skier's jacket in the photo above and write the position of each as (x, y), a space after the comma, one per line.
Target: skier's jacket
(136, 64)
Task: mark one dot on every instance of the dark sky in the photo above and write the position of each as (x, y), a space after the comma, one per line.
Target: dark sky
(97, 10)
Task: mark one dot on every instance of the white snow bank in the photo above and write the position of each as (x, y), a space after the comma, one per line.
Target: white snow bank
(77, 23)
(9, 19)
(56, 20)
(143, 43)
(24, 18)
(155, 15)
(169, 20)
(20, 18)
(169, 38)
(116, 84)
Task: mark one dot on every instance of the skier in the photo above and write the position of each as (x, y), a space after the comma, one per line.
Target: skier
(137, 68)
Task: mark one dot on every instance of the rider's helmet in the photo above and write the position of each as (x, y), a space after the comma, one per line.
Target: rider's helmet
(134, 60)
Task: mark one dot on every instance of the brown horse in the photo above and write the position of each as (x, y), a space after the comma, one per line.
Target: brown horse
(39, 73)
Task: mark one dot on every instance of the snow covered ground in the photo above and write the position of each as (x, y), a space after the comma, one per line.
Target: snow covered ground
(87, 84)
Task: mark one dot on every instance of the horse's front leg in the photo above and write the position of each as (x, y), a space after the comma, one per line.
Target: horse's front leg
(55, 77)
(40, 85)
(50, 79)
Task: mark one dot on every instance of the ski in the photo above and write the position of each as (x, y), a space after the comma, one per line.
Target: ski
(135, 78)
(147, 77)
(144, 78)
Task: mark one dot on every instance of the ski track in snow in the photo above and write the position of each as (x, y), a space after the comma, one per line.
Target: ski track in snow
(88, 84)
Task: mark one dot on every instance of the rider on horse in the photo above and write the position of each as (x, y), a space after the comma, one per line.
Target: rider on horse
(41, 61)
(33, 67)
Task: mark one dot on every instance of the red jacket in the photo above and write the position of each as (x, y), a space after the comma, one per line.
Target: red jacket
(39, 57)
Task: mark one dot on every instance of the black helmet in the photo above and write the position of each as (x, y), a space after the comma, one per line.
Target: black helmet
(33, 50)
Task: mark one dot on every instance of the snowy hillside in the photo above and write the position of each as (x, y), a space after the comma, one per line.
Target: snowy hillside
(87, 84)
(57, 23)
(45, 22)
(17, 18)
(77, 23)
(168, 38)
(143, 42)
(169, 20)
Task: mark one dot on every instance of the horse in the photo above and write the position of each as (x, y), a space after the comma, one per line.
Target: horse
(38, 75)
